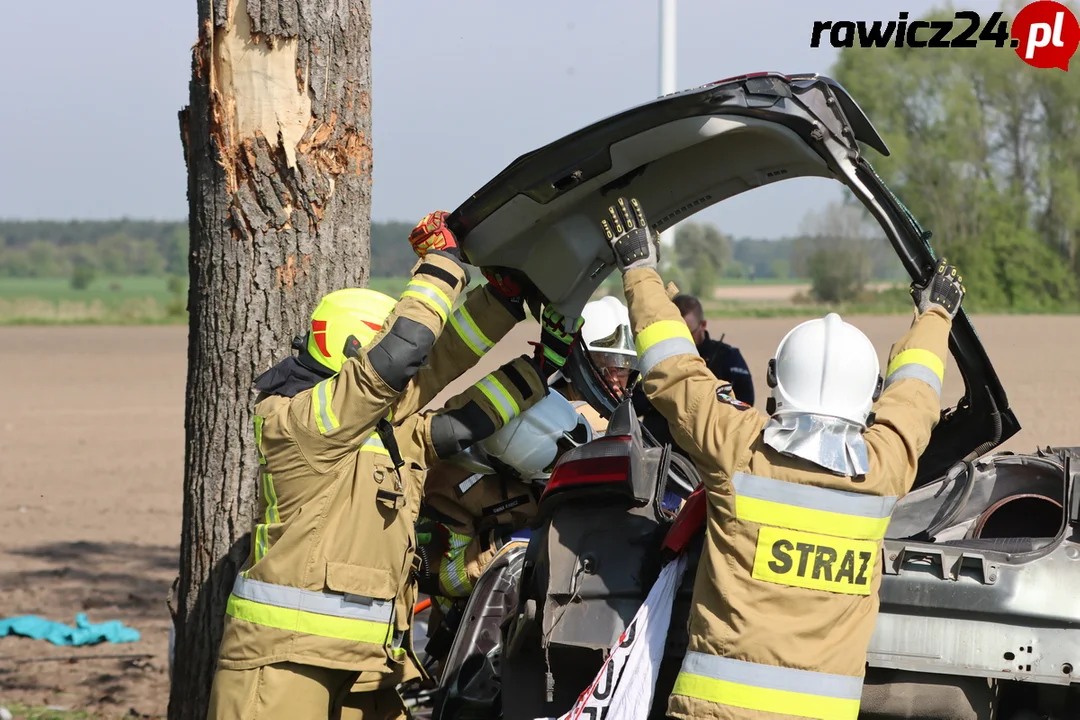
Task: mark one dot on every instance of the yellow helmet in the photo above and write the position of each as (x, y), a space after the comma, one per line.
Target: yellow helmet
(342, 314)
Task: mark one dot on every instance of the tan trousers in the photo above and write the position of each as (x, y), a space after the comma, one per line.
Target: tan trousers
(289, 691)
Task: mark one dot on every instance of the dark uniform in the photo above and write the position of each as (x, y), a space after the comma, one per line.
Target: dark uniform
(727, 364)
(724, 361)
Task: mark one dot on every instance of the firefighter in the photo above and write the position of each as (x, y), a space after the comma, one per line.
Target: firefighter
(464, 517)
(467, 516)
(605, 331)
(318, 622)
(798, 502)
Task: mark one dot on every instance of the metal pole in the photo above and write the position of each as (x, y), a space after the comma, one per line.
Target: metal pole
(667, 46)
(667, 72)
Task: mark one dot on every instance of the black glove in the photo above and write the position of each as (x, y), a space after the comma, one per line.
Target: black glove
(628, 233)
(556, 340)
(944, 288)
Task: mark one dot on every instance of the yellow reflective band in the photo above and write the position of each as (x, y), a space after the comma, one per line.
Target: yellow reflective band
(916, 356)
(308, 623)
(270, 495)
(814, 562)
(261, 544)
(503, 401)
(469, 332)
(321, 399)
(455, 580)
(258, 420)
(750, 697)
(660, 331)
(430, 295)
(768, 512)
(374, 444)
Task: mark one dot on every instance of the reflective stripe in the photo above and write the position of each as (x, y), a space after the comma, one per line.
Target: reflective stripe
(270, 496)
(261, 538)
(374, 444)
(261, 543)
(662, 340)
(769, 688)
(258, 421)
(917, 364)
(430, 295)
(919, 357)
(320, 403)
(353, 607)
(812, 509)
(308, 623)
(503, 401)
(469, 483)
(452, 575)
(469, 332)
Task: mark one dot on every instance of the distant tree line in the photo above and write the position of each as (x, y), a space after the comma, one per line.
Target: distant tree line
(986, 154)
(838, 252)
(85, 249)
(143, 247)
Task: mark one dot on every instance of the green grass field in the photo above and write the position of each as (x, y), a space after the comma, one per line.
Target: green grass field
(115, 300)
(111, 291)
(108, 300)
(147, 300)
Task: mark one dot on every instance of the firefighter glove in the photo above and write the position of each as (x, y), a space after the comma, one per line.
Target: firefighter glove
(514, 290)
(628, 233)
(944, 288)
(501, 281)
(557, 337)
(432, 233)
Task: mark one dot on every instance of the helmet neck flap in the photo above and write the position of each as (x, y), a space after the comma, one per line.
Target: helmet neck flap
(824, 380)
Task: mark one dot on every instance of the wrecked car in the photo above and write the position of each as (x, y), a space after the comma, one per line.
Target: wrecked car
(980, 596)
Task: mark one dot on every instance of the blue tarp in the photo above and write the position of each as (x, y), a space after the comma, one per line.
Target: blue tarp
(84, 633)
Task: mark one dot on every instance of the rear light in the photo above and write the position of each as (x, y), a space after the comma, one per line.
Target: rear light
(604, 460)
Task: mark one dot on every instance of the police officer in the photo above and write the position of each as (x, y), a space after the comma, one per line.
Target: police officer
(785, 599)
(318, 622)
(724, 360)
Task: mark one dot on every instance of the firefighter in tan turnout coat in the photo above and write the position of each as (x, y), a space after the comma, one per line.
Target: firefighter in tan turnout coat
(785, 598)
(464, 515)
(318, 623)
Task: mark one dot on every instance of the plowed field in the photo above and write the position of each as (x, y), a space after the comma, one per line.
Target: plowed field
(91, 466)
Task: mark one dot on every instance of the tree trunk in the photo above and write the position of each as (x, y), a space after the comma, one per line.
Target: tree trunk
(277, 144)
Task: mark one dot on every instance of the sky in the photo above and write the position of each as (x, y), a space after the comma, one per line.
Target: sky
(88, 127)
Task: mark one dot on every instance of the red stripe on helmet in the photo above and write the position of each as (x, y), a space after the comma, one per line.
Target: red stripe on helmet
(318, 331)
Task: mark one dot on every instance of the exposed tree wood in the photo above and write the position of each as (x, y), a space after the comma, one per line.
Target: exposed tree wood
(277, 144)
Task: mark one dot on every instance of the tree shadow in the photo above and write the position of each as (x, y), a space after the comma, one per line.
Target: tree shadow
(131, 580)
(198, 633)
(107, 581)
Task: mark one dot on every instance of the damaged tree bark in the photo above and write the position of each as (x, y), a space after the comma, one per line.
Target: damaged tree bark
(277, 144)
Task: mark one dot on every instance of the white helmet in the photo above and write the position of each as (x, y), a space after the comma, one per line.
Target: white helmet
(530, 442)
(607, 333)
(826, 367)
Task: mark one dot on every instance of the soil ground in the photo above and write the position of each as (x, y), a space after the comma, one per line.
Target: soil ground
(91, 467)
